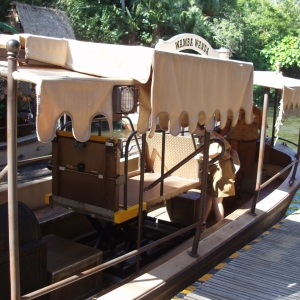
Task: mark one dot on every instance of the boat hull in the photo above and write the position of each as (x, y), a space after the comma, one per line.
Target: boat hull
(174, 272)
(28, 147)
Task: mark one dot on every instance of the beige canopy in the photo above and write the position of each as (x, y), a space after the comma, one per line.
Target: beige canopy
(181, 85)
(290, 89)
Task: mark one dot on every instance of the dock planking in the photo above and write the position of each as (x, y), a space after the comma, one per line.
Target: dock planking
(266, 268)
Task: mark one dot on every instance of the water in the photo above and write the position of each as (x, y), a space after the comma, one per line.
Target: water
(289, 131)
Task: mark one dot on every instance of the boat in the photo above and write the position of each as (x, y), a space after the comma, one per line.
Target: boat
(128, 225)
(28, 145)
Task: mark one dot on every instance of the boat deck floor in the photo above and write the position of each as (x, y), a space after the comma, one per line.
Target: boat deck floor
(173, 186)
(266, 268)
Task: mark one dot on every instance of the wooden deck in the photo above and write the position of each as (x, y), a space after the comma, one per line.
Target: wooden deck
(266, 268)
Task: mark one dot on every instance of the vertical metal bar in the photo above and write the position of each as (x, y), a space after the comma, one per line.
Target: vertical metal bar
(261, 151)
(201, 202)
(132, 128)
(141, 197)
(274, 117)
(163, 156)
(13, 47)
(297, 157)
(133, 134)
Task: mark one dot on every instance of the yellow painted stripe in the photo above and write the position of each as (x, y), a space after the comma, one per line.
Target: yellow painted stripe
(257, 240)
(96, 138)
(266, 232)
(247, 247)
(276, 226)
(234, 255)
(188, 290)
(205, 277)
(220, 266)
(124, 215)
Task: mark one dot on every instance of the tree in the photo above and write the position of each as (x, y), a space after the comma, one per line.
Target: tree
(286, 51)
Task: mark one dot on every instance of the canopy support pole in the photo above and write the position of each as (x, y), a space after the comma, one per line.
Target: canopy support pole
(201, 203)
(274, 117)
(13, 47)
(141, 197)
(261, 151)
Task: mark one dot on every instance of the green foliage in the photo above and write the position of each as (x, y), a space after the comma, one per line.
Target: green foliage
(286, 51)
(214, 7)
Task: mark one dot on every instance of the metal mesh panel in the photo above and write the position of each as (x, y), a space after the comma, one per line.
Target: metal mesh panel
(125, 99)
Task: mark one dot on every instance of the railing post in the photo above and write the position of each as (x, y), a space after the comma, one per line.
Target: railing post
(201, 206)
(163, 156)
(297, 157)
(141, 197)
(274, 117)
(261, 151)
(13, 47)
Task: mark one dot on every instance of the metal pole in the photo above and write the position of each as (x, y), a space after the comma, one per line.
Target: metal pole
(133, 134)
(141, 197)
(274, 117)
(297, 157)
(13, 47)
(261, 151)
(202, 200)
(163, 155)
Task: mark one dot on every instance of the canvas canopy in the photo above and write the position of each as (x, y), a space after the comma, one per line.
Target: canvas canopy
(290, 88)
(176, 86)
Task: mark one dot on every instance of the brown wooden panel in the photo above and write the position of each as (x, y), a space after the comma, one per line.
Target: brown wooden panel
(95, 184)
(67, 258)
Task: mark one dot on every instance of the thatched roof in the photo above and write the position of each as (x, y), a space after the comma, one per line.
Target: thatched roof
(40, 21)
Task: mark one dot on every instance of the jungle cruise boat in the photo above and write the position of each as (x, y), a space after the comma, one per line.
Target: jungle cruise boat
(121, 215)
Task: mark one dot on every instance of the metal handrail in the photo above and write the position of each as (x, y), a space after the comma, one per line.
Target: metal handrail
(277, 174)
(290, 142)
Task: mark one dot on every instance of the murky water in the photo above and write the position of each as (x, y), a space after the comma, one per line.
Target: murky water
(289, 131)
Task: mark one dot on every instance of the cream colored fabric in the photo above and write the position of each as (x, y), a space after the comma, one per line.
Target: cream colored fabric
(185, 88)
(114, 61)
(289, 86)
(195, 85)
(46, 49)
(291, 100)
(78, 95)
(110, 60)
